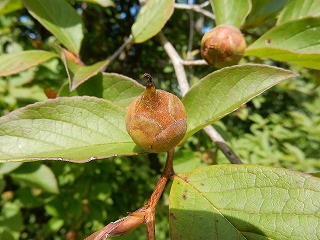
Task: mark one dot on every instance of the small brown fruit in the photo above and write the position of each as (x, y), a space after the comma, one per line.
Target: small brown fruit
(157, 120)
(223, 46)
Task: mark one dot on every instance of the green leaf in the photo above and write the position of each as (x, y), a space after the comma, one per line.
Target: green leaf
(11, 221)
(76, 129)
(9, 167)
(58, 17)
(151, 19)
(84, 73)
(225, 90)
(17, 62)
(103, 3)
(244, 202)
(231, 12)
(77, 72)
(186, 160)
(114, 87)
(262, 11)
(296, 9)
(38, 175)
(295, 41)
(8, 6)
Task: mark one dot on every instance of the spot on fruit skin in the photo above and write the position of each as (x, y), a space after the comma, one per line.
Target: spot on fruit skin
(157, 120)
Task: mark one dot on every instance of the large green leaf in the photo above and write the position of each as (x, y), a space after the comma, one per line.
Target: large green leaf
(58, 17)
(114, 87)
(295, 41)
(8, 6)
(17, 62)
(223, 91)
(244, 202)
(262, 11)
(296, 9)
(38, 175)
(74, 129)
(151, 19)
(231, 12)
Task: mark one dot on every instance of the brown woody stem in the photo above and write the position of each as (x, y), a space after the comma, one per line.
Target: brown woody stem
(144, 214)
(157, 192)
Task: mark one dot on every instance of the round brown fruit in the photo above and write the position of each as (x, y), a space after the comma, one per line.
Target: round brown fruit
(223, 46)
(157, 120)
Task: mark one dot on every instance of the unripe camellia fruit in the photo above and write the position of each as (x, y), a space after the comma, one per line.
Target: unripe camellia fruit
(157, 120)
(223, 46)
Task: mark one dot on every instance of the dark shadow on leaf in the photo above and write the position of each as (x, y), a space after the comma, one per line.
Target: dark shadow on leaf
(92, 87)
(207, 225)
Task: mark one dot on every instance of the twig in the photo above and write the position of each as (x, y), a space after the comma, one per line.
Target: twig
(144, 214)
(184, 87)
(196, 8)
(193, 62)
(191, 34)
(117, 52)
(222, 145)
(176, 61)
(204, 4)
(157, 192)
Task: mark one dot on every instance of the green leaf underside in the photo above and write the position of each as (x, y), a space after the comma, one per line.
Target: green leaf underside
(296, 9)
(17, 62)
(84, 73)
(225, 90)
(74, 129)
(58, 17)
(154, 13)
(231, 12)
(114, 87)
(244, 202)
(295, 41)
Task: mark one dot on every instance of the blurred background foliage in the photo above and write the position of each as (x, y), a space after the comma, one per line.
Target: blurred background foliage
(59, 200)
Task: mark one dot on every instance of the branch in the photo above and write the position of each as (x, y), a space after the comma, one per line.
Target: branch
(157, 192)
(191, 34)
(222, 145)
(145, 214)
(176, 61)
(197, 8)
(118, 51)
(184, 87)
(194, 62)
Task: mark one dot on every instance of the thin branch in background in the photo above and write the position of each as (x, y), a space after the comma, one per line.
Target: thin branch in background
(126, 42)
(194, 62)
(191, 34)
(184, 88)
(204, 4)
(222, 145)
(196, 8)
(176, 61)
